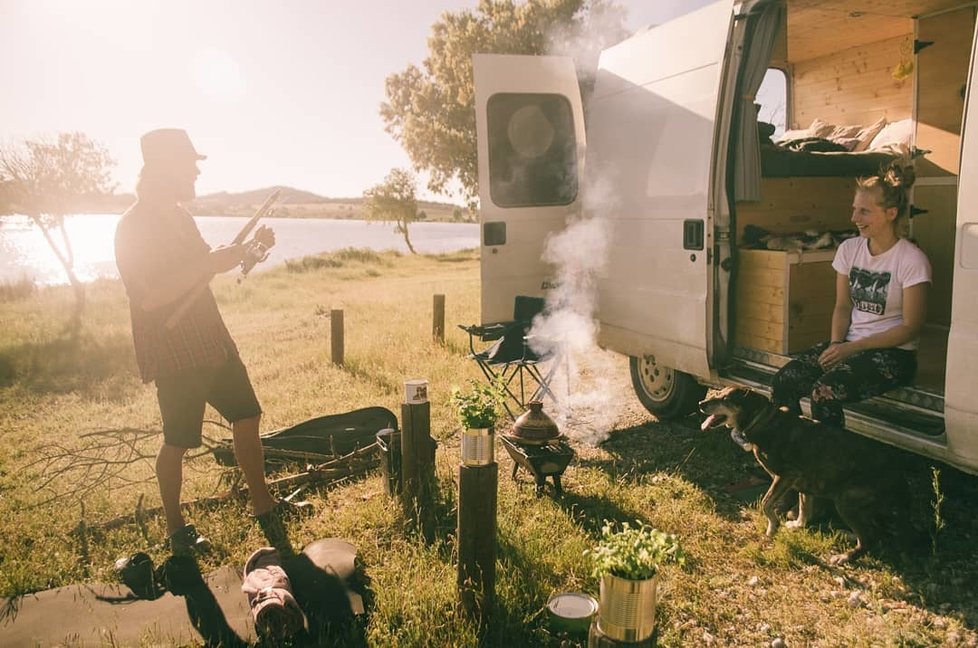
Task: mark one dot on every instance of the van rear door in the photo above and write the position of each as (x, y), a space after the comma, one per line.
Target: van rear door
(961, 380)
(655, 144)
(530, 131)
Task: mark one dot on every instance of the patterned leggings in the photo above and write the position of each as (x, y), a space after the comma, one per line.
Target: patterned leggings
(865, 374)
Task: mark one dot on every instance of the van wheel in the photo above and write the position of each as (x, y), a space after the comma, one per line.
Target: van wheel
(665, 392)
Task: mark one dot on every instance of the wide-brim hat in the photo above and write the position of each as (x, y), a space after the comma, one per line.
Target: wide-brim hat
(168, 146)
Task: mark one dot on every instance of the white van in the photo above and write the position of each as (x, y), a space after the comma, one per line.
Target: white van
(694, 200)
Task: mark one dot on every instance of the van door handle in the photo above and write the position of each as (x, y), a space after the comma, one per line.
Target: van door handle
(693, 234)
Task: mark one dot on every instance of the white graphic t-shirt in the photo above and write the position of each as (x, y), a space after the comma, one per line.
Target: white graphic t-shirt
(876, 284)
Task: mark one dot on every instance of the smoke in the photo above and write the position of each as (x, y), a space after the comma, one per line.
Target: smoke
(586, 399)
(587, 402)
(600, 25)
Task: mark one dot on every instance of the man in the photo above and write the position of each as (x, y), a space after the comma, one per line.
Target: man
(180, 338)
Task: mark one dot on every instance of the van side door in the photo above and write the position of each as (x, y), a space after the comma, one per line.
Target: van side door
(961, 379)
(654, 142)
(530, 132)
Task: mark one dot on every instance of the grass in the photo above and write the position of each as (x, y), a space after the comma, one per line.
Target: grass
(736, 588)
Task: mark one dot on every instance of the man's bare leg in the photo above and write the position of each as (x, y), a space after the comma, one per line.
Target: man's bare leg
(169, 477)
(251, 459)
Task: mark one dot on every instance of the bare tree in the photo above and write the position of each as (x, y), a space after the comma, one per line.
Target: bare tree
(394, 200)
(45, 179)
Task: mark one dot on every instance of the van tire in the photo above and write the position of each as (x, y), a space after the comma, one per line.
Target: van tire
(665, 392)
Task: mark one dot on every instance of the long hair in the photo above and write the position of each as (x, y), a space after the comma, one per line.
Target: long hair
(153, 185)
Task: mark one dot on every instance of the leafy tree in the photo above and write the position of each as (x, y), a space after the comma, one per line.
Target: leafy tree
(46, 179)
(394, 200)
(430, 110)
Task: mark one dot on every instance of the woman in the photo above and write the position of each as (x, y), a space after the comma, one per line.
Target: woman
(880, 304)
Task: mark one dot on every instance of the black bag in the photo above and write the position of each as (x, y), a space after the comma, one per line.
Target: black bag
(327, 436)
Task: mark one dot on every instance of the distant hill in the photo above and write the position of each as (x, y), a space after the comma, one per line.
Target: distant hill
(292, 203)
(295, 203)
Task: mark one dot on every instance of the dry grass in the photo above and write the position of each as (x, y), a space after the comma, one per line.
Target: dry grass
(737, 589)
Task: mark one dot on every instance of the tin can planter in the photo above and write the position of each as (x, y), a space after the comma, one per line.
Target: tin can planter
(478, 446)
(626, 608)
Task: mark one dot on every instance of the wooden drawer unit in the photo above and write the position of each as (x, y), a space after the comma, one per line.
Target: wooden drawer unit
(783, 300)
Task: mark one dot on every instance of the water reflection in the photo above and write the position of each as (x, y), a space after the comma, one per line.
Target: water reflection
(24, 254)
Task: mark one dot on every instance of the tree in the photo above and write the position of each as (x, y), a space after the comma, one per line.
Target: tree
(45, 180)
(430, 111)
(394, 200)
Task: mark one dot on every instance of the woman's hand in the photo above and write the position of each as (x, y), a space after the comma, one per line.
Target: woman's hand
(834, 354)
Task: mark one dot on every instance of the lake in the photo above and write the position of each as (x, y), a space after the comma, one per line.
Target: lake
(24, 254)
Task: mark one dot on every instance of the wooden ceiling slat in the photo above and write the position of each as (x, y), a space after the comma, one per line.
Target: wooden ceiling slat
(821, 27)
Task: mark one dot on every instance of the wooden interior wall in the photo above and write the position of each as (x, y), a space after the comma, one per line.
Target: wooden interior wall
(854, 85)
(942, 72)
(798, 204)
(934, 232)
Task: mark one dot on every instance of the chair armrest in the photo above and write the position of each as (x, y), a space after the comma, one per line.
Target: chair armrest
(489, 332)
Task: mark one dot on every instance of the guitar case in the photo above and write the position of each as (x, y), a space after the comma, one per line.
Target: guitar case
(328, 436)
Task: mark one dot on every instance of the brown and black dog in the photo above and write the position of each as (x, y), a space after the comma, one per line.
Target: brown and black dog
(860, 476)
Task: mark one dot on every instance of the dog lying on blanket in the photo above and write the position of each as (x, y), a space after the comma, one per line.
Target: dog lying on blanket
(860, 476)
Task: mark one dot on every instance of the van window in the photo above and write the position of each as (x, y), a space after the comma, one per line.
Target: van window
(532, 150)
(773, 99)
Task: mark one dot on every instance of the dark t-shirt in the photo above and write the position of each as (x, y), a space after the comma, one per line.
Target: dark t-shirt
(151, 242)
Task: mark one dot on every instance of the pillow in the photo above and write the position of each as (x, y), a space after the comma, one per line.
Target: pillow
(840, 132)
(796, 134)
(849, 142)
(896, 133)
(821, 129)
(867, 134)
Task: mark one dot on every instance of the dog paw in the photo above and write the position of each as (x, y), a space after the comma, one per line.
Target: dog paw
(840, 559)
(794, 524)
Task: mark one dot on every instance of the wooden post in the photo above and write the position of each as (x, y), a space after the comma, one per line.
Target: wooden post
(418, 465)
(336, 336)
(477, 487)
(438, 318)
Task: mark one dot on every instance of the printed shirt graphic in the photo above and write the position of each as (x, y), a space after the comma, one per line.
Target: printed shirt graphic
(876, 284)
(869, 290)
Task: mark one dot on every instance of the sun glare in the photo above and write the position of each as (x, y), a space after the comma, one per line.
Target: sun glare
(217, 74)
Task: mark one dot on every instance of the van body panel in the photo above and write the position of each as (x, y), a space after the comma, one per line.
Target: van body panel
(660, 127)
(652, 123)
(961, 379)
(513, 265)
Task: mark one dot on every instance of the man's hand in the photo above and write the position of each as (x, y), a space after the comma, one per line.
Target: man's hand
(264, 236)
(257, 248)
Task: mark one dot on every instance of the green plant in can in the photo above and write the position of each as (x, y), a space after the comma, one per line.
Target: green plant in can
(477, 407)
(633, 552)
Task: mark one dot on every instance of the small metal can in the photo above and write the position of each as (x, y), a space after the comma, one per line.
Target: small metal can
(571, 613)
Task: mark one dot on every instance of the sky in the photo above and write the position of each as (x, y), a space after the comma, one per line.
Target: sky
(274, 92)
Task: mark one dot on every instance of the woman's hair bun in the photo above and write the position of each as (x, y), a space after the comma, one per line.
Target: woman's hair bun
(899, 175)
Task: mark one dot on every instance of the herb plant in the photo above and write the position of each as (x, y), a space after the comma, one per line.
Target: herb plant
(634, 552)
(478, 407)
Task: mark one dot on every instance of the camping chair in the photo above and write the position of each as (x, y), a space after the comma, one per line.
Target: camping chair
(506, 357)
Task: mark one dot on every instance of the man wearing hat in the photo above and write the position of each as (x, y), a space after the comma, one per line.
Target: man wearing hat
(180, 339)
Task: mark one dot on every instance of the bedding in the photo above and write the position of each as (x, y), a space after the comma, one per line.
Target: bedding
(783, 162)
(825, 149)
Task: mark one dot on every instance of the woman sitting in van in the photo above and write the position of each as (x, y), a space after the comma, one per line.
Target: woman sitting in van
(880, 305)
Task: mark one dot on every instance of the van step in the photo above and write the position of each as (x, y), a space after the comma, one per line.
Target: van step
(900, 409)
